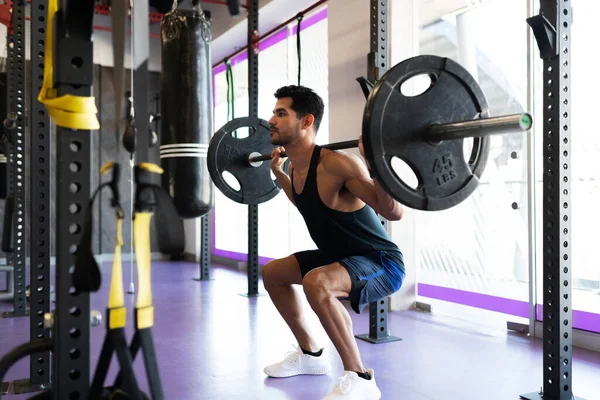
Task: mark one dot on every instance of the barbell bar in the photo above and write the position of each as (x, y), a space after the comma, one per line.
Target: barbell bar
(437, 132)
(425, 131)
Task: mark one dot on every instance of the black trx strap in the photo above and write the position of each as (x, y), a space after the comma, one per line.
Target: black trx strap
(299, 17)
(7, 226)
(119, 10)
(230, 93)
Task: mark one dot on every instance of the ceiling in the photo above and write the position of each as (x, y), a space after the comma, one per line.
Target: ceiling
(230, 33)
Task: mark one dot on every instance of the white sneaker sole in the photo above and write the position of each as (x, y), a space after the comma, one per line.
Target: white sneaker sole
(304, 371)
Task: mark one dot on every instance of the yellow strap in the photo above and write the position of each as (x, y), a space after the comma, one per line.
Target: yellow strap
(151, 167)
(141, 238)
(67, 111)
(116, 300)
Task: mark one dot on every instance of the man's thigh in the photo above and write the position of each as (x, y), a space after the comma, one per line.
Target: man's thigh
(373, 277)
(282, 271)
(310, 260)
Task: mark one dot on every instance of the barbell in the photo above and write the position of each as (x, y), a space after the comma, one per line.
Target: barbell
(426, 131)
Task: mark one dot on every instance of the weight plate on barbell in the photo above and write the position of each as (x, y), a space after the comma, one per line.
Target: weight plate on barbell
(395, 125)
(226, 153)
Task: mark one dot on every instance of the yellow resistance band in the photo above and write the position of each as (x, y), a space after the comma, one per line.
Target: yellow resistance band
(67, 111)
(116, 300)
(141, 237)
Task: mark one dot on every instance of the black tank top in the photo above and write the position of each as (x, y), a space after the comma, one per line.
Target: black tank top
(336, 233)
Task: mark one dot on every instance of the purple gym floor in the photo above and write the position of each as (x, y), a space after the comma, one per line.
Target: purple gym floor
(213, 343)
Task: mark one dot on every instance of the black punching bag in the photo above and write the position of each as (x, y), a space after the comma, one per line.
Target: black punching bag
(3, 176)
(3, 172)
(186, 111)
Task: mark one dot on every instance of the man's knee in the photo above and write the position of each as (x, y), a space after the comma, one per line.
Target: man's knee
(269, 274)
(316, 286)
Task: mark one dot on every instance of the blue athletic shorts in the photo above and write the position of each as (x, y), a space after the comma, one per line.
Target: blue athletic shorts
(374, 275)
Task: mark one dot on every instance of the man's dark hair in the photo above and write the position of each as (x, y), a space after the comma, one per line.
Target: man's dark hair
(304, 101)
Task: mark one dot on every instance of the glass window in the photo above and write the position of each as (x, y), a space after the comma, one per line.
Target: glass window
(228, 213)
(476, 253)
(281, 228)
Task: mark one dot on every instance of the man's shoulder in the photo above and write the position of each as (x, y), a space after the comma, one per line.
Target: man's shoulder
(339, 162)
(336, 158)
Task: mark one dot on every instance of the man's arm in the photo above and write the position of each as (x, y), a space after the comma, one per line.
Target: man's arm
(285, 182)
(356, 179)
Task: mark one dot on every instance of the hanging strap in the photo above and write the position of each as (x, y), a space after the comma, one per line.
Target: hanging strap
(299, 17)
(116, 300)
(230, 93)
(86, 274)
(67, 111)
(119, 11)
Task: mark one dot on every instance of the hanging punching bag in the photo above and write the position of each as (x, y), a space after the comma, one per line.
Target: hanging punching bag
(3, 172)
(3, 175)
(186, 110)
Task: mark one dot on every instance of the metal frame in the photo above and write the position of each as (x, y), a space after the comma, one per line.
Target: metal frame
(73, 74)
(8, 147)
(377, 66)
(39, 364)
(204, 249)
(552, 29)
(9, 292)
(17, 156)
(253, 40)
(531, 181)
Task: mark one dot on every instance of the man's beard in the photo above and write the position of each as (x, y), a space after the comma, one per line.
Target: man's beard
(283, 141)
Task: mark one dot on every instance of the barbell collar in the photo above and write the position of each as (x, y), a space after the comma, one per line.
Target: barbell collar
(480, 127)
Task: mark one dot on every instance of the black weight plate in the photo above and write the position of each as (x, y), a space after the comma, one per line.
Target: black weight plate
(228, 153)
(395, 125)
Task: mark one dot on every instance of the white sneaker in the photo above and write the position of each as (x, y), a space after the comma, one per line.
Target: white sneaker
(353, 387)
(298, 363)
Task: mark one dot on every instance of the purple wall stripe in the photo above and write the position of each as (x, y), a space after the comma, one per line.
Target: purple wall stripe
(273, 39)
(484, 301)
(310, 21)
(232, 255)
(581, 320)
(235, 60)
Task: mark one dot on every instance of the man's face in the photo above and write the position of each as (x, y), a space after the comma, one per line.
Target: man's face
(285, 125)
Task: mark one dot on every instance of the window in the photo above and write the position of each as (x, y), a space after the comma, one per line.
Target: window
(477, 253)
(281, 228)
